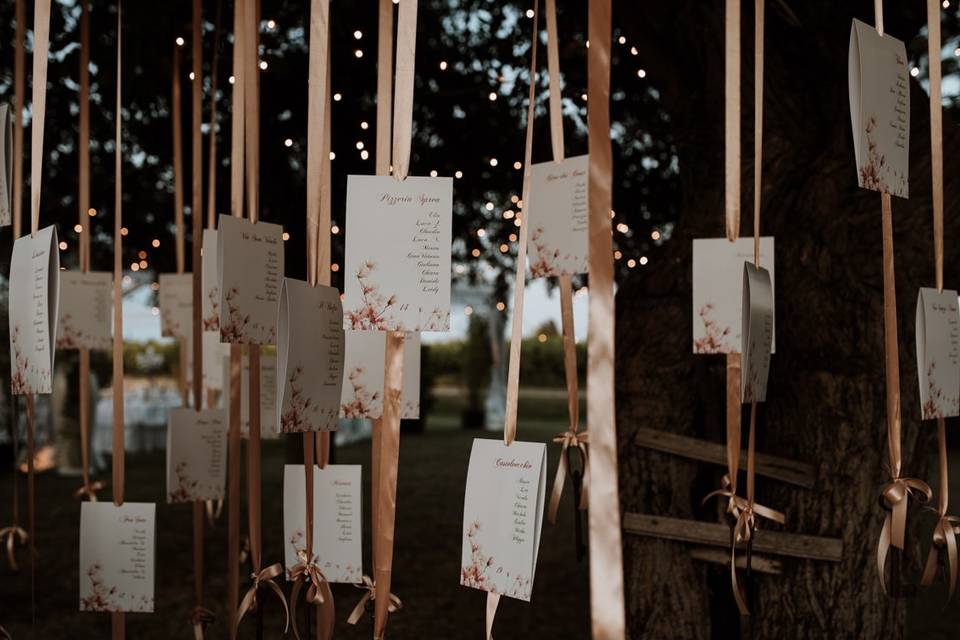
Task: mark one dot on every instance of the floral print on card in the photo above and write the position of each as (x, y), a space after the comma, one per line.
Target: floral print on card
(362, 393)
(117, 561)
(938, 353)
(557, 214)
(85, 310)
(196, 454)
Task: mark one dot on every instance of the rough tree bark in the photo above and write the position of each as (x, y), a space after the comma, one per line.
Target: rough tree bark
(826, 395)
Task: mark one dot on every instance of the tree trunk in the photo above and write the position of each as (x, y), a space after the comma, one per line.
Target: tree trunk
(826, 397)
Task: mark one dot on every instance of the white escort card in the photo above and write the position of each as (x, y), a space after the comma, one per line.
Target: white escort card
(502, 516)
(879, 109)
(362, 394)
(250, 265)
(269, 427)
(210, 281)
(757, 333)
(85, 310)
(557, 214)
(176, 305)
(337, 520)
(309, 357)
(117, 555)
(196, 454)
(718, 290)
(938, 353)
(6, 165)
(397, 266)
(34, 297)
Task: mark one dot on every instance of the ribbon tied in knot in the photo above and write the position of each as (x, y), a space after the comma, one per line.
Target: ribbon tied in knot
(370, 589)
(199, 619)
(89, 490)
(568, 439)
(944, 537)
(10, 535)
(897, 494)
(318, 593)
(264, 577)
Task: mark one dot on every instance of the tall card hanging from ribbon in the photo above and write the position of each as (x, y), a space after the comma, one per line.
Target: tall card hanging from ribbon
(233, 440)
(572, 439)
(606, 552)
(936, 313)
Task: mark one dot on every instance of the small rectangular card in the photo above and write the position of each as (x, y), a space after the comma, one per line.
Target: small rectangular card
(210, 281)
(34, 298)
(250, 264)
(117, 551)
(196, 454)
(337, 520)
(364, 359)
(879, 109)
(557, 215)
(269, 428)
(85, 310)
(938, 353)
(502, 516)
(757, 333)
(309, 357)
(176, 305)
(6, 168)
(397, 266)
(718, 289)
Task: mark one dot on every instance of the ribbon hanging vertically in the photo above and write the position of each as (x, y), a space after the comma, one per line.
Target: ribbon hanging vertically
(571, 437)
(606, 552)
(212, 142)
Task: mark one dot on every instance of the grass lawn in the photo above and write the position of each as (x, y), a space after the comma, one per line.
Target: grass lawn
(426, 557)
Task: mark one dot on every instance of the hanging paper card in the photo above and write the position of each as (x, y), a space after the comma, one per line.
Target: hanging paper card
(213, 352)
(34, 297)
(210, 278)
(879, 109)
(269, 428)
(718, 288)
(117, 548)
(6, 165)
(86, 303)
(938, 353)
(250, 264)
(557, 214)
(196, 454)
(757, 332)
(176, 305)
(362, 394)
(337, 520)
(502, 516)
(309, 357)
(397, 267)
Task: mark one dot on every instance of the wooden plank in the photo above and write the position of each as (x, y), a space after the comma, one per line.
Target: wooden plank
(791, 471)
(695, 531)
(760, 564)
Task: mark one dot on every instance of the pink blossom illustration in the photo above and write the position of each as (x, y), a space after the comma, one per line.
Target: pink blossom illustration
(235, 330)
(437, 320)
(544, 262)
(372, 314)
(304, 414)
(481, 572)
(186, 490)
(873, 171)
(938, 403)
(364, 402)
(716, 337)
(20, 380)
(105, 597)
(410, 409)
(212, 321)
(171, 328)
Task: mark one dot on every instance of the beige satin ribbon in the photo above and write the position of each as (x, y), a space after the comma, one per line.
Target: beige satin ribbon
(318, 594)
(236, 354)
(89, 490)
(403, 99)
(177, 133)
(117, 620)
(606, 550)
(200, 619)
(731, 118)
(264, 578)
(10, 535)
(947, 527)
(212, 142)
(19, 73)
(370, 594)
(566, 289)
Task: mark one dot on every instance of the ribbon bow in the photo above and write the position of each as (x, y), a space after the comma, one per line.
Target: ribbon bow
(318, 593)
(371, 594)
(567, 439)
(89, 490)
(746, 513)
(264, 577)
(896, 494)
(5, 634)
(199, 619)
(213, 508)
(11, 534)
(944, 536)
